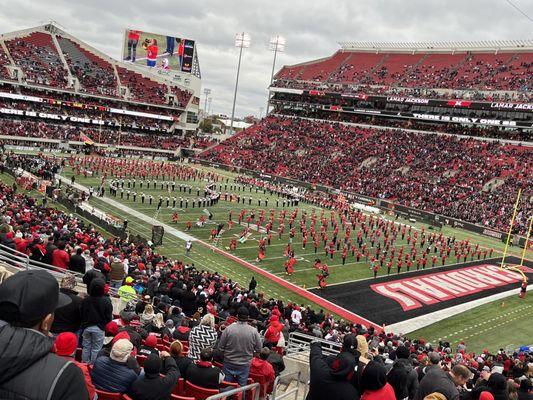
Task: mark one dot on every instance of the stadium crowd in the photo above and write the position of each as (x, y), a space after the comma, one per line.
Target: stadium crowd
(109, 136)
(473, 75)
(521, 135)
(175, 321)
(442, 174)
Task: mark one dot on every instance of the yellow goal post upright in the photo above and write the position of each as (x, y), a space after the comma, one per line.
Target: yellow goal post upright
(510, 228)
(528, 235)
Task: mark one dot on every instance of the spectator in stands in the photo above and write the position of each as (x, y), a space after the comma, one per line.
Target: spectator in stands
(68, 318)
(8, 241)
(153, 386)
(402, 377)
(203, 373)
(433, 361)
(525, 390)
(182, 361)
(273, 332)
(117, 273)
(238, 343)
(374, 384)
(183, 331)
(28, 368)
(330, 382)
(261, 368)
(112, 373)
(202, 336)
(60, 257)
(149, 346)
(437, 380)
(65, 346)
(77, 261)
(96, 312)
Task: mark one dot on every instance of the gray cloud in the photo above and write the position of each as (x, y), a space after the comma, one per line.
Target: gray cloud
(312, 29)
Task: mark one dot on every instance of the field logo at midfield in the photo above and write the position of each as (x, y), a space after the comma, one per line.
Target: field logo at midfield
(428, 289)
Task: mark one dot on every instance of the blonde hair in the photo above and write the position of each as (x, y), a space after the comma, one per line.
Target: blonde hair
(176, 348)
(208, 319)
(158, 320)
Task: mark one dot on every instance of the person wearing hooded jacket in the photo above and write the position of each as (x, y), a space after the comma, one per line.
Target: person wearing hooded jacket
(496, 385)
(96, 312)
(28, 368)
(403, 377)
(331, 382)
(374, 384)
(273, 332)
(153, 386)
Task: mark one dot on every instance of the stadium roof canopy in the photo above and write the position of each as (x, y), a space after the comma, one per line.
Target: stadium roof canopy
(485, 45)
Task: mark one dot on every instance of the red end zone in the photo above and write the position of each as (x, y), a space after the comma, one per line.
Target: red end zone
(415, 292)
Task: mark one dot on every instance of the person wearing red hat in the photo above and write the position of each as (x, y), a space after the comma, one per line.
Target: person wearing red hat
(149, 346)
(65, 346)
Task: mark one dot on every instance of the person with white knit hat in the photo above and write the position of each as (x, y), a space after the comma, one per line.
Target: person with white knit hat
(112, 373)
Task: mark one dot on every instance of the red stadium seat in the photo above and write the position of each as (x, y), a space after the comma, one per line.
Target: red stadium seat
(198, 392)
(176, 397)
(180, 387)
(103, 395)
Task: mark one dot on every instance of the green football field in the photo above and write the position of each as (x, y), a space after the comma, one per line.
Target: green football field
(499, 324)
(305, 274)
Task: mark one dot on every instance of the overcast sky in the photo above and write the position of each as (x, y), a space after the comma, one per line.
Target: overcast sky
(312, 29)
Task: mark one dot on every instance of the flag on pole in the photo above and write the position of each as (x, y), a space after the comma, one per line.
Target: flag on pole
(86, 139)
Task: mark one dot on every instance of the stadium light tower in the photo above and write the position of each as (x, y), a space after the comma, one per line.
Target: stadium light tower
(207, 92)
(277, 44)
(209, 100)
(242, 41)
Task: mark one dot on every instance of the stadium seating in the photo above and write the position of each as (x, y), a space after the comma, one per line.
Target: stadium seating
(442, 174)
(464, 71)
(142, 89)
(4, 61)
(38, 58)
(95, 74)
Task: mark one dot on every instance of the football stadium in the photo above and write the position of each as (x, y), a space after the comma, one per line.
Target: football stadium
(368, 237)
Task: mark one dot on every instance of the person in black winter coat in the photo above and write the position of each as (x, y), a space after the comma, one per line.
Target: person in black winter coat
(188, 301)
(96, 312)
(28, 368)
(331, 382)
(68, 318)
(77, 262)
(203, 373)
(524, 391)
(92, 274)
(403, 377)
(153, 386)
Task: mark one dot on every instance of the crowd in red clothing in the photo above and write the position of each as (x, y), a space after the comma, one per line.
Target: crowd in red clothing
(442, 174)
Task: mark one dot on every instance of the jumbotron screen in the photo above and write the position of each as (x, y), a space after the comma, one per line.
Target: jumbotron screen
(161, 52)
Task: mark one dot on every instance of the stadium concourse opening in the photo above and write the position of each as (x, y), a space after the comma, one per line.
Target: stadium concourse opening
(399, 297)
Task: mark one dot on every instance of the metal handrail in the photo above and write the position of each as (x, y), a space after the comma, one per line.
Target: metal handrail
(242, 389)
(290, 392)
(300, 343)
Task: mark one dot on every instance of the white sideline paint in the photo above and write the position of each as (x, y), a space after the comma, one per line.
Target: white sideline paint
(422, 321)
(135, 213)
